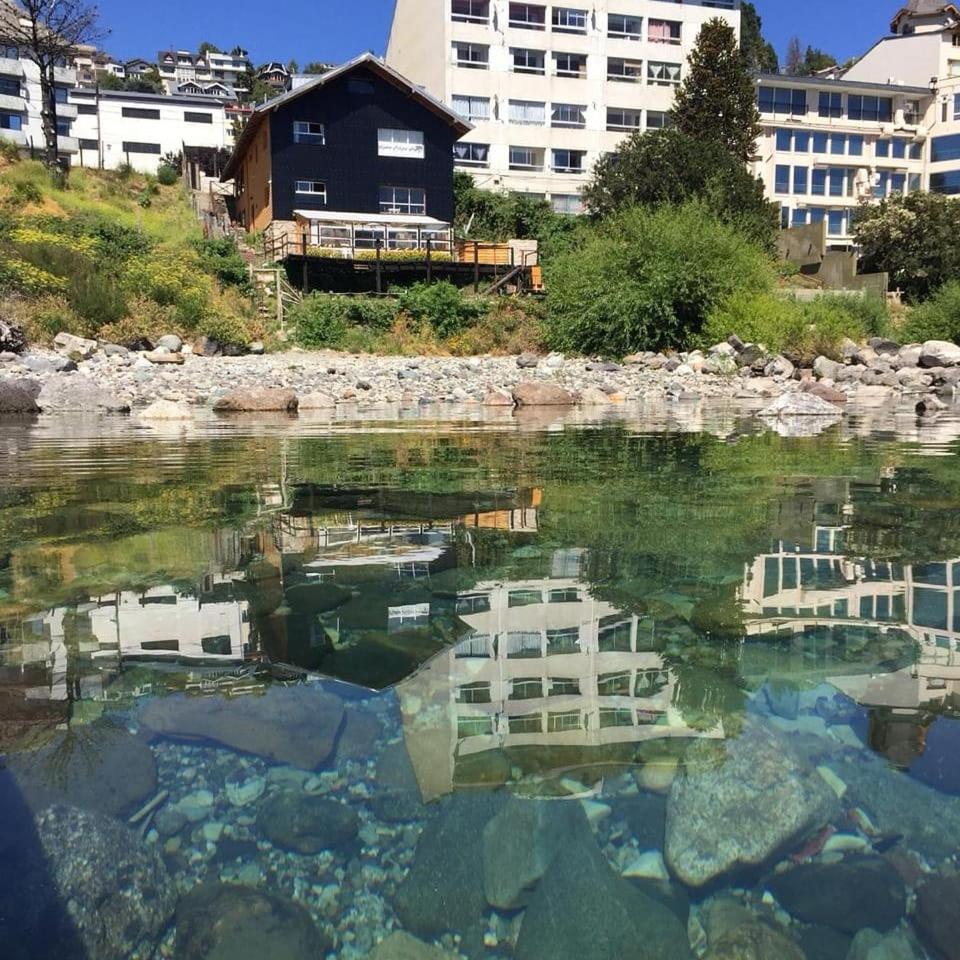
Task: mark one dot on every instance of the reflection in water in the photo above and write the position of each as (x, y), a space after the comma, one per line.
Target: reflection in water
(357, 675)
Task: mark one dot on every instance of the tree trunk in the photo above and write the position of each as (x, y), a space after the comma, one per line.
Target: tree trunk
(49, 115)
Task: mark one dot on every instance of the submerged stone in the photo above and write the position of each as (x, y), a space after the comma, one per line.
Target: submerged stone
(307, 824)
(754, 941)
(938, 918)
(741, 805)
(401, 946)
(218, 921)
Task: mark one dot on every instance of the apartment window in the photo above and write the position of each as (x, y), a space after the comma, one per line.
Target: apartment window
(9, 87)
(474, 692)
(838, 145)
(830, 105)
(531, 113)
(312, 188)
(140, 113)
(782, 100)
(662, 74)
(801, 141)
(89, 145)
(473, 56)
(837, 222)
(624, 27)
(524, 598)
(526, 688)
(63, 128)
(61, 95)
(663, 31)
(523, 645)
(877, 109)
(471, 154)
(568, 161)
(568, 203)
(945, 183)
(10, 121)
(528, 61)
(627, 71)
(527, 723)
(528, 16)
(9, 53)
(657, 119)
(472, 109)
(191, 117)
(570, 65)
(855, 145)
(614, 635)
(400, 143)
(945, 148)
(132, 146)
(569, 20)
(470, 11)
(837, 182)
(784, 140)
(526, 158)
(800, 179)
(568, 115)
(620, 118)
(86, 109)
(564, 721)
(782, 179)
(306, 131)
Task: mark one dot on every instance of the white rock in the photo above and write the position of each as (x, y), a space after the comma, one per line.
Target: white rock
(845, 843)
(167, 410)
(245, 792)
(939, 353)
(801, 405)
(317, 401)
(647, 866)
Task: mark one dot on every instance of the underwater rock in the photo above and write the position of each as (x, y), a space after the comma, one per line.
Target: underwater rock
(657, 775)
(444, 889)
(217, 921)
(358, 738)
(823, 943)
(166, 410)
(645, 816)
(102, 768)
(242, 791)
(398, 806)
(648, 865)
(937, 917)
(870, 945)
(520, 843)
(401, 946)
(849, 896)
(741, 808)
(753, 941)
(117, 892)
(294, 725)
(583, 911)
(307, 824)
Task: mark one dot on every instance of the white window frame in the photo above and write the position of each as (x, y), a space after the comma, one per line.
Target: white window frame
(568, 20)
(560, 203)
(571, 108)
(567, 71)
(627, 65)
(475, 11)
(307, 188)
(658, 73)
(463, 46)
(624, 112)
(531, 158)
(526, 23)
(567, 167)
(468, 107)
(407, 207)
(625, 34)
(304, 132)
(470, 161)
(527, 53)
(403, 144)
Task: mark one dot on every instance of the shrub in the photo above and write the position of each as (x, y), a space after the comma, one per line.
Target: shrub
(442, 305)
(25, 277)
(376, 314)
(221, 257)
(167, 175)
(509, 326)
(937, 318)
(320, 320)
(403, 256)
(145, 320)
(648, 278)
(9, 151)
(225, 328)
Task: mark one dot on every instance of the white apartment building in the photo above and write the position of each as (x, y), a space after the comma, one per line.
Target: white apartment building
(549, 87)
(184, 72)
(116, 127)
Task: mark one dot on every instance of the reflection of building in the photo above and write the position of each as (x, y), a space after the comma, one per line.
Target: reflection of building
(544, 664)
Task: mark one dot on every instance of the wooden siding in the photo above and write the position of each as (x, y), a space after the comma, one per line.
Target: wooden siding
(255, 199)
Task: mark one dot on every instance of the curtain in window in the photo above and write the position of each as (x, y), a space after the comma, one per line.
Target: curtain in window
(658, 31)
(527, 111)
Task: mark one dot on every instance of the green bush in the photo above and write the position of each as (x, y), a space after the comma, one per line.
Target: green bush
(648, 278)
(167, 176)
(225, 328)
(442, 305)
(937, 318)
(221, 257)
(320, 320)
(373, 314)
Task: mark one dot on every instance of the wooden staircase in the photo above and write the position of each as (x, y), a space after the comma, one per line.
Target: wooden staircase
(275, 294)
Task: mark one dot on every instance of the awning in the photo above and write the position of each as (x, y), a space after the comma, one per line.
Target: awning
(379, 219)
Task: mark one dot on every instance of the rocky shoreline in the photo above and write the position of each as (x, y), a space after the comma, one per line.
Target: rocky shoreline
(84, 376)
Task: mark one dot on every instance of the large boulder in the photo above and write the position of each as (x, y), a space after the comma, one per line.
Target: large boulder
(12, 337)
(117, 892)
(307, 824)
(77, 348)
(740, 803)
(583, 911)
(536, 393)
(19, 396)
(217, 921)
(444, 889)
(294, 725)
(856, 894)
(753, 941)
(937, 917)
(75, 393)
(939, 353)
(167, 410)
(521, 842)
(870, 945)
(826, 369)
(257, 400)
(800, 404)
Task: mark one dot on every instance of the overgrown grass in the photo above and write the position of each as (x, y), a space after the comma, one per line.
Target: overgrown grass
(937, 318)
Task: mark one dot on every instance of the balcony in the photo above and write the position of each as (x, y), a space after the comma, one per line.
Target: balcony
(12, 104)
(11, 68)
(68, 144)
(65, 76)
(13, 136)
(67, 111)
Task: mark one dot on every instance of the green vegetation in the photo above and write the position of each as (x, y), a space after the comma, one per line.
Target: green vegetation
(648, 278)
(118, 256)
(937, 318)
(758, 54)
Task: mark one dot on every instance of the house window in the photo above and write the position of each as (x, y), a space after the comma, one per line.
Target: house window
(9, 87)
(10, 121)
(139, 113)
(570, 65)
(568, 115)
(400, 143)
(306, 131)
(569, 20)
(471, 154)
(629, 71)
(528, 16)
(877, 109)
(531, 113)
(470, 11)
(473, 56)
(830, 105)
(619, 118)
(132, 146)
(472, 109)
(568, 161)
(526, 158)
(569, 203)
(622, 26)
(663, 74)
(408, 200)
(528, 61)
(360, 88)
(190, 117)
(663, 31)
(316, 189)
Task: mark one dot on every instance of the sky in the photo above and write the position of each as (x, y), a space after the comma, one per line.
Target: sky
(336, 30)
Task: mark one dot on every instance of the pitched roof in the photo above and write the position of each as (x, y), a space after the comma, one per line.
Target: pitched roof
(923, 8)
(368, 60)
